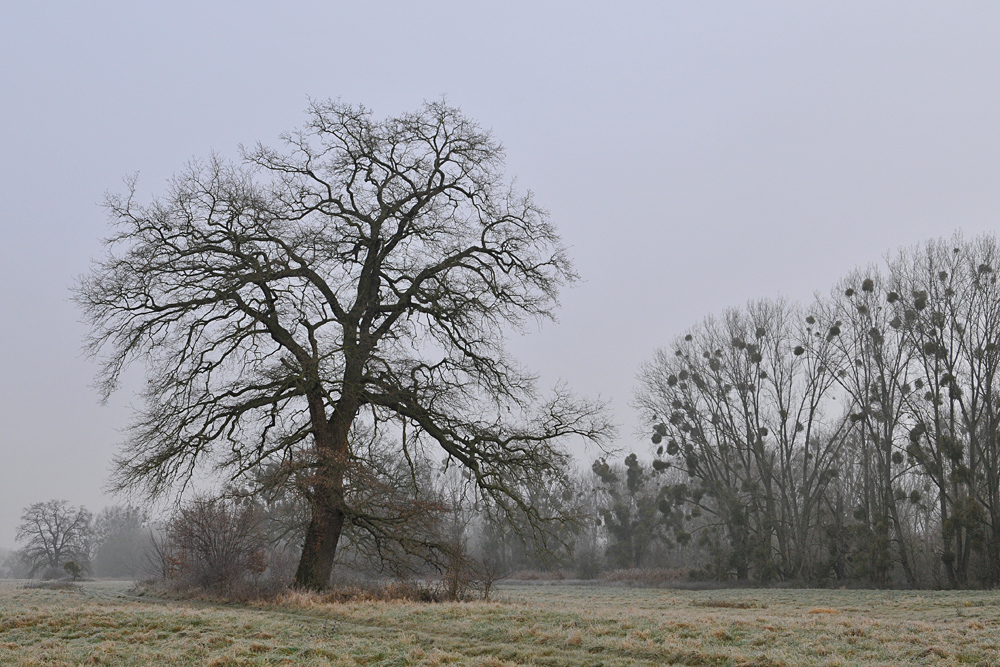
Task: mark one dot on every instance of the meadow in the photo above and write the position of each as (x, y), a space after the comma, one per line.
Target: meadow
(107, 623)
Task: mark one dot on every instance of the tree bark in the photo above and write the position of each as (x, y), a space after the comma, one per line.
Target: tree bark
(326, 498)
(320, 546)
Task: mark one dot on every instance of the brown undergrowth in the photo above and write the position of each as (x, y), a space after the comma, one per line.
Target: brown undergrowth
(375, 591)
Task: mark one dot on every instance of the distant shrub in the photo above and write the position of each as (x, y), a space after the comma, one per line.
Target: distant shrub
(13, 565)
(121, 538)
(73, 570)
(588, 565)
(651, 577)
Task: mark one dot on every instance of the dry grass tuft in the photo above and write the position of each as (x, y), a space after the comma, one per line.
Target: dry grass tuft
(935, 651)
(387, 591)
(762, 661)
(729, 604)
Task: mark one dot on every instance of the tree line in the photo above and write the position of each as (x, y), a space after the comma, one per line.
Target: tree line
(855, 438)
(62, 540)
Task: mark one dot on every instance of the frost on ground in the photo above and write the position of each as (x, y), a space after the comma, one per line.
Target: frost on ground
(97, 623)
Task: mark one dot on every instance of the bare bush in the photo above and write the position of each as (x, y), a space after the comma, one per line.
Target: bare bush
(487, 571)
(219, 546)
(161, 563)
(458, 577)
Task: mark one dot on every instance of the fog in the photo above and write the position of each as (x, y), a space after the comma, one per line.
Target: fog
(693, 156)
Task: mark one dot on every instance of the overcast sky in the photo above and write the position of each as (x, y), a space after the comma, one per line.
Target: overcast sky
(693, 155)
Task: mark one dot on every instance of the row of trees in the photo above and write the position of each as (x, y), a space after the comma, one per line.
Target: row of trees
(858, 437)
(60, 539)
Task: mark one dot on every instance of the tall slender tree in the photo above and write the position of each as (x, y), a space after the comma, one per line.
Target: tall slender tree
(950, 306)
(873, 365)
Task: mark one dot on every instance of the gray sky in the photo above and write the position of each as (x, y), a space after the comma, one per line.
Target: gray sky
(693, 155)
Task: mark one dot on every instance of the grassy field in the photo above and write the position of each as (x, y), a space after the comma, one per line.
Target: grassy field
(102, 623)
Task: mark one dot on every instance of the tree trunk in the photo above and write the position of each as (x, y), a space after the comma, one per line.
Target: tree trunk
(320, 546)
(947, 557)
(327, 496)
(904, 559)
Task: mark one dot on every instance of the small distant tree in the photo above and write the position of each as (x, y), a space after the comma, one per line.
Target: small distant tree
(54, 533)
(121, 538)
(73, 570)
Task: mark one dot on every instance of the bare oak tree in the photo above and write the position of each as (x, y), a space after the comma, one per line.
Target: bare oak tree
(54, 533)
(364, 274)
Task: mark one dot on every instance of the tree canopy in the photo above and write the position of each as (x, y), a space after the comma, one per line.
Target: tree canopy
(364, 274)
(857, 437)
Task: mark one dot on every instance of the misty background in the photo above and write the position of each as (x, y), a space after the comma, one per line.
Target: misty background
(692, 155)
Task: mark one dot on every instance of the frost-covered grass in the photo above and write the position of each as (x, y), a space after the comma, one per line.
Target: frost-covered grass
(102, 624)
